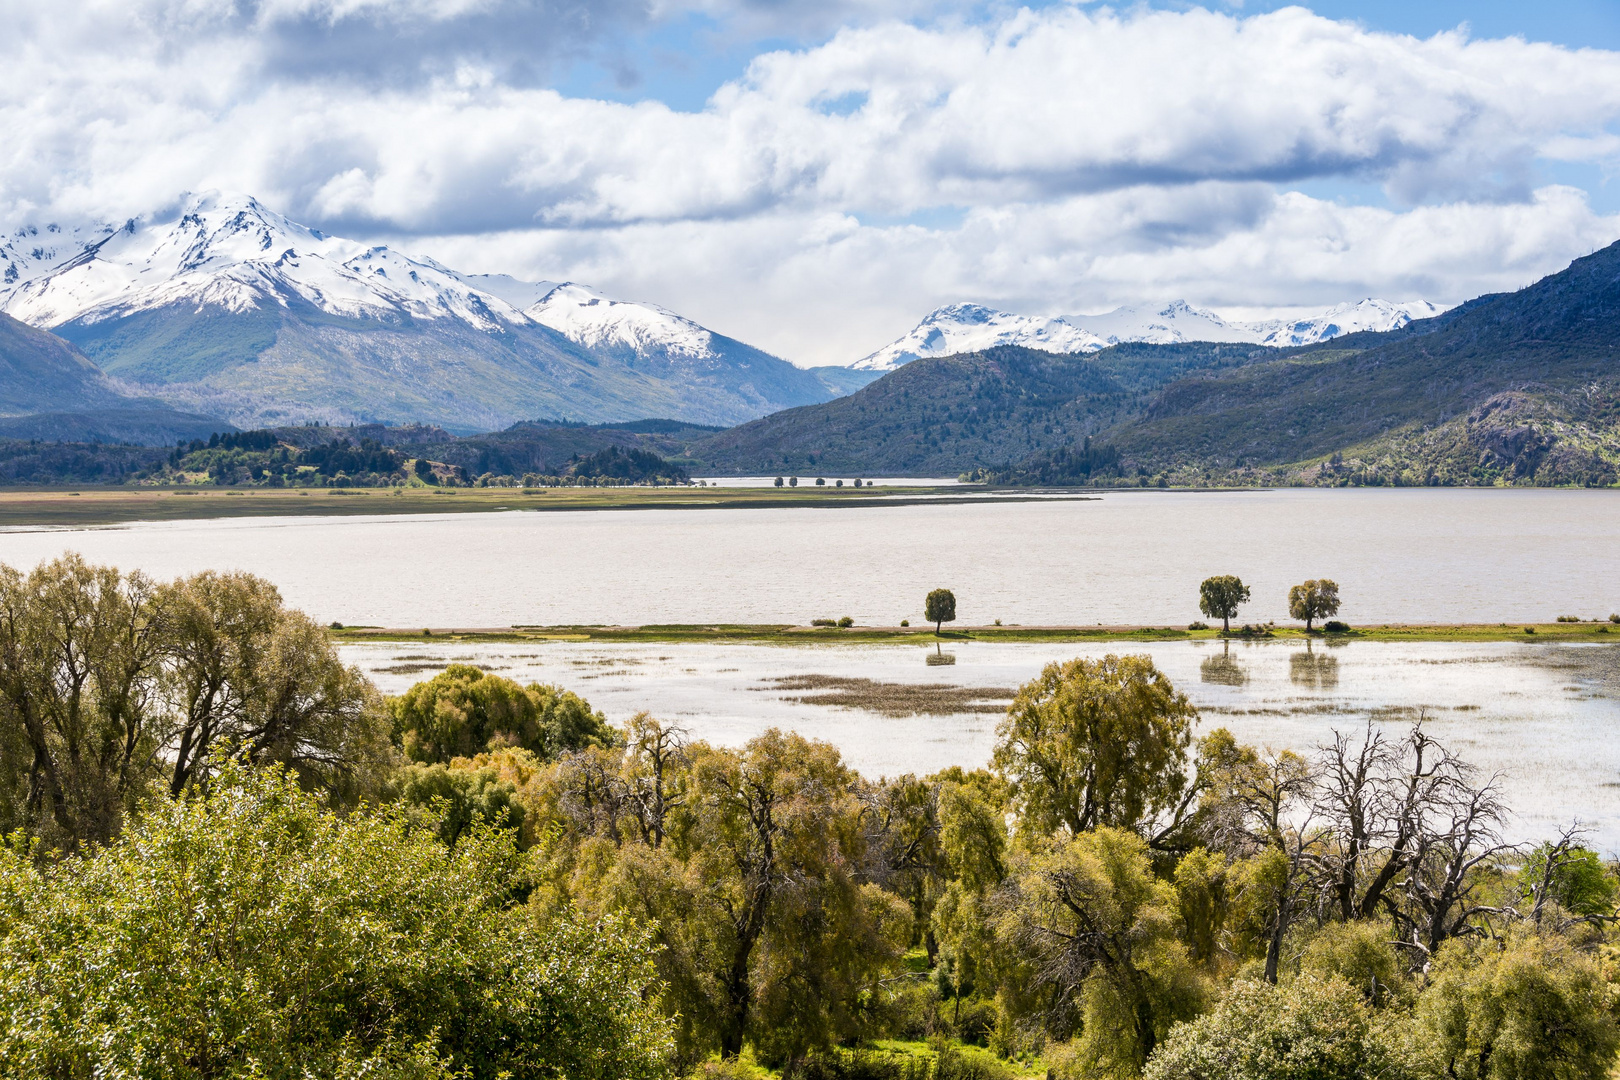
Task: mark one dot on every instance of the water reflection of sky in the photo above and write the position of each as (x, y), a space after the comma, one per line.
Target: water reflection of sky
(1546, 717)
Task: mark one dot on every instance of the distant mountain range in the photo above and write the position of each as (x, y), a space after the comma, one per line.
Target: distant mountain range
(1518, 387)
(962, 328)
(230, 309)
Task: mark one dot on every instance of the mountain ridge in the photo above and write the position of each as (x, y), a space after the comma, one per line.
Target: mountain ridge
(263, 320)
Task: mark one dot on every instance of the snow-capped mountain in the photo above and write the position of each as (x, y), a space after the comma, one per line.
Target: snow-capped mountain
(959, 328)
(229, 305)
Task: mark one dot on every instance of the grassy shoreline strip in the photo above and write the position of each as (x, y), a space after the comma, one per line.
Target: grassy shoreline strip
(86, 507)
(781, 634)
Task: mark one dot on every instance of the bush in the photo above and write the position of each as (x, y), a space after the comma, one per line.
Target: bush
(846, 622)
(1334, 626)
(1198, 624)
(1313, 1027)
(1569, 618)
(823, 622)
(1614, 618)
(248, 932)
(905, 622)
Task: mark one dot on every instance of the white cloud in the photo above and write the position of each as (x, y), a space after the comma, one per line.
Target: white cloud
(1094, 157)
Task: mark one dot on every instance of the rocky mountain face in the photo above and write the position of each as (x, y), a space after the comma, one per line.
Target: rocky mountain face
(229, 308)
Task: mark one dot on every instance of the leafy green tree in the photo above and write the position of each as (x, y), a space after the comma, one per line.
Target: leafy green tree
(453, 800)
(1097, 933)
(112, 686)
(768, 936)
(1219, 598)
(1095, 742)
(1314, 599)
(1527, 1006)
(1309, 1029)
(249, 675)
(247, 933)
(463, 711)
(940, 608)
(1571, 876)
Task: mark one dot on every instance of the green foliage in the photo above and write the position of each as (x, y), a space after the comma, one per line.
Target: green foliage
(1528, 1006)
(1578, 882)
(1314, 599)
(463, 711)
(940, 607)
(454, 800)
(1310, 1029)
(1219, 598)
(632, 465)
(248, 933)
(1095, 742)
(113, 687)
(1098, 935)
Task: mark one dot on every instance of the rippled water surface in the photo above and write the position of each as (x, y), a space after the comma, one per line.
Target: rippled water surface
(1546, 717)
(1414, 555)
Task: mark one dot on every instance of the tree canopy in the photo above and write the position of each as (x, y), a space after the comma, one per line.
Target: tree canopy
(1317, 598)
(940, 607)
(1220, 597)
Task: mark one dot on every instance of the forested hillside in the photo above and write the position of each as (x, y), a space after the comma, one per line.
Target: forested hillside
(944, 416)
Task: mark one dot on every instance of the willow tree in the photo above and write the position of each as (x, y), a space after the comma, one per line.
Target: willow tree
(1095, 742)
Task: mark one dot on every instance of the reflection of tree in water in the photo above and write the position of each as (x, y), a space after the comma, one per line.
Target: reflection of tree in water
(1313, 670)
(1223, 669)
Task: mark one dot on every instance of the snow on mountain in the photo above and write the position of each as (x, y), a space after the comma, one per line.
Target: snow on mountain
(1376, 315)
(230, 252)
(588, 318)
(959, 328)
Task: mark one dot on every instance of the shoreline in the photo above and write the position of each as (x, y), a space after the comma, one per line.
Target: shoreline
(86, 507)
(1603, 633)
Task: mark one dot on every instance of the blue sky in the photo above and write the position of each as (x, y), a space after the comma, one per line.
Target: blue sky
(814, 178)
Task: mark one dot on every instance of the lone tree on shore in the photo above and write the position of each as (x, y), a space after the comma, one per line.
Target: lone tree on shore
(940, 608)
(1314, 599)
(1219, 597)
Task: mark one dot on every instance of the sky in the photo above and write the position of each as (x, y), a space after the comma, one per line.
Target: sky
(813, 178)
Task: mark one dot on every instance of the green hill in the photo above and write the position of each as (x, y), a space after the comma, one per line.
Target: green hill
(952, 414)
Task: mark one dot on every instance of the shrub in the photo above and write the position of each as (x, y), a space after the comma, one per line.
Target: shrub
(1334, 626)
(846, 622)
(1198, 624)
(1569, 618)
(1529, 629)
(1614, 618)
(248, 932)
(1312, 1027)
(823, 622)
(905, 622)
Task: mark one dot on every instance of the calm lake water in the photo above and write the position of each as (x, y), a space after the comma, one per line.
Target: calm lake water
(1410, 555)
(1545, 717)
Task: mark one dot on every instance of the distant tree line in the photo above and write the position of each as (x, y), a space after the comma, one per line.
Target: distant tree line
(288, 458)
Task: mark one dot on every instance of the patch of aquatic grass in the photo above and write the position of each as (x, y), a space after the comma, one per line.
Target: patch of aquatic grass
(892, 699)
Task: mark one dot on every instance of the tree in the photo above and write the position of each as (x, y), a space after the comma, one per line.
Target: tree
(1095, 742)
(768, 934)
(463, 711)
(1096, 932)
(1314, 599)
(1219, 597)
(1530, 1005)
(112, 686)
(940, 607)
(245, 931)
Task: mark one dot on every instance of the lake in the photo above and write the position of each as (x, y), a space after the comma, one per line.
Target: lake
(1402, 555)
(1545, 717)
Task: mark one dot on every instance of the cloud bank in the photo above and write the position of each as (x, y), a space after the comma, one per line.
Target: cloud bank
(1062, 159)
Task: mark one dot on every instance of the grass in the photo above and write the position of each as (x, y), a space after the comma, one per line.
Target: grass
(894, 699)
(85, 506)
(783, 634)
